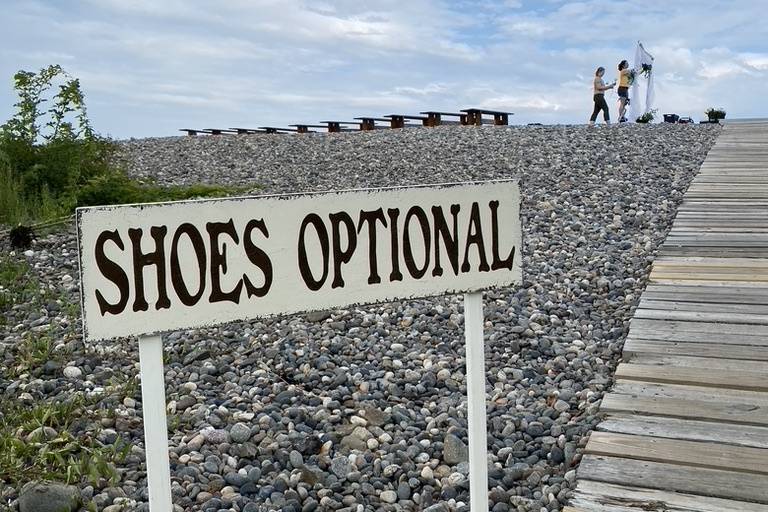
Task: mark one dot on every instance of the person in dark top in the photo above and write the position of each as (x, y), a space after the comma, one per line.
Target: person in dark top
(598, 90)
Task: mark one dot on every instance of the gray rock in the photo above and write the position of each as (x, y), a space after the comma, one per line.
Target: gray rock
(197, 354)
(72, 372)
(535, 429)
(196, 443)
(388, 496)
(403, 491)
(317, 316)
(108, 436)
(240, 433)
(340, 466)
(296, 459)
(215, 436)
(454, 450)
(48, 497)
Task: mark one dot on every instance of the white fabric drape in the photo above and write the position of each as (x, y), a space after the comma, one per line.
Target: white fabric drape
(636, 106)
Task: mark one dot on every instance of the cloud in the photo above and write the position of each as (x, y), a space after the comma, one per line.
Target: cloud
(756, 61)
(149, 67)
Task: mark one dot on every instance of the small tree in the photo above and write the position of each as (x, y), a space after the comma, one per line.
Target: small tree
(65, 118)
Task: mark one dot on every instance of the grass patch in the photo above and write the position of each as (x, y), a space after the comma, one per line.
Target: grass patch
(17, 285)
(117, 188)
(36, 442)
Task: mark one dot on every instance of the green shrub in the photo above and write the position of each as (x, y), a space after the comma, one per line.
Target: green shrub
(715, 113)
(115, 187)
(51, 161)
(647, 117)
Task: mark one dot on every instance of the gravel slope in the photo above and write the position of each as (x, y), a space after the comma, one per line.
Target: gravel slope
(365, 409)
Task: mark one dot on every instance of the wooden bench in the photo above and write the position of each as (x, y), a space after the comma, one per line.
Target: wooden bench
(247, 131)
(475, 116)
(274, 129)
(436, 118)
(305, 128)
(335, 126)
(369, 123)
(217, 131)
(425, 120)
(399, 120)
(191, 131)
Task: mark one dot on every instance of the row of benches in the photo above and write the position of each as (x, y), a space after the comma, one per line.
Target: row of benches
(469, 116)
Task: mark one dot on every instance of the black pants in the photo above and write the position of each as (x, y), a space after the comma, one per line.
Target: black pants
(600, 104)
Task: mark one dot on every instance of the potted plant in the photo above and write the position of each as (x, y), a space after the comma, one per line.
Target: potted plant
(647, 117)
(715, 114)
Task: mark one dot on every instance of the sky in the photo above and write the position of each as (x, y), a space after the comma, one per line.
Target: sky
(150, 67)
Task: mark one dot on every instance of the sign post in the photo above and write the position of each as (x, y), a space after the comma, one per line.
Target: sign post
(155, 422)
(476, 398)
(152, 268)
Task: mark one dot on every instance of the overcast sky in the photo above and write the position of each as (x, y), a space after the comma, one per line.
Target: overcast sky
(150, 67)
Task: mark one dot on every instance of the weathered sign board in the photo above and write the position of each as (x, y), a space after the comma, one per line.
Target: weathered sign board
(150, 268)
(158, 267)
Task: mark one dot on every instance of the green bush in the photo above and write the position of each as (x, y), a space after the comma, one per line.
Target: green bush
(51, 161)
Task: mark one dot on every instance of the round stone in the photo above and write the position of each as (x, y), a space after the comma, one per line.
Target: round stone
(240, 433)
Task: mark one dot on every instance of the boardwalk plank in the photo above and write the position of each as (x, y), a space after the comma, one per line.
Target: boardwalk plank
(702, 316)
(689, 429)
(655, 475)
(702, 307)
(684, 327)
(723, 363)
(591, 496)
(634, 346)
(659, 390)
(739, 459)
(705, 377)
(740, 414)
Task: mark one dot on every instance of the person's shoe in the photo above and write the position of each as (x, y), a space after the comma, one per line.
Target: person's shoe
(623, 120)
(591, 123)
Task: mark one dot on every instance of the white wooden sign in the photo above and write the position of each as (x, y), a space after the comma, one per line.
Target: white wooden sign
(159, 267)
(146, 269)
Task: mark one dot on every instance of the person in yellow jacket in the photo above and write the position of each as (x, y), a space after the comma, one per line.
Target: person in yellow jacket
(625, 80)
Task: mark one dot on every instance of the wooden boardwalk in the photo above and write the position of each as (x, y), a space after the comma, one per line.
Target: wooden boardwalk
(686, 425)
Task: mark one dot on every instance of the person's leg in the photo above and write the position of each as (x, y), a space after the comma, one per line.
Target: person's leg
(596, 110)
(604, 108)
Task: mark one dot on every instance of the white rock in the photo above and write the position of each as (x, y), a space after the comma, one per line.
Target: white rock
(73, 372)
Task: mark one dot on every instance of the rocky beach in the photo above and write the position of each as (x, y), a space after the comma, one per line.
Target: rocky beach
(364, 409)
